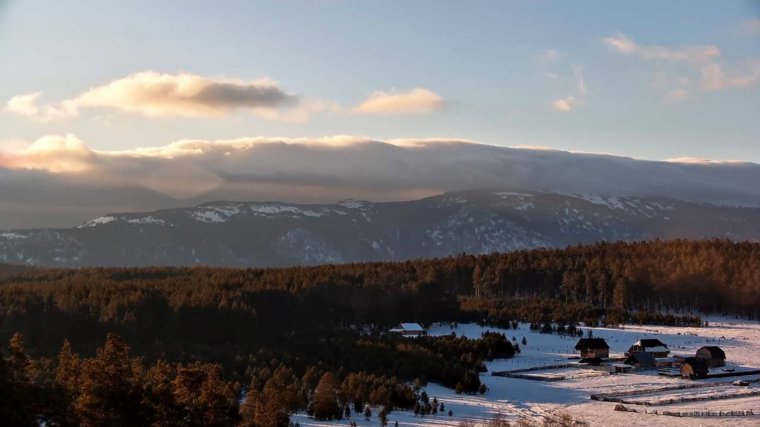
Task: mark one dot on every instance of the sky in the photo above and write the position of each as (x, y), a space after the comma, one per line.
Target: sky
(119, 106)
(647, 79)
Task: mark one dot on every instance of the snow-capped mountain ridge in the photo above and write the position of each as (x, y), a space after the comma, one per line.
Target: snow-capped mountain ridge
(275, 233)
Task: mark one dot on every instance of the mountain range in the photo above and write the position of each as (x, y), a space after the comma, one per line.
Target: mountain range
(259, 234)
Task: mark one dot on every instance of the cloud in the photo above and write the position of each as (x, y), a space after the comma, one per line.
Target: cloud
(167, 95)
(58, 180)
(53, 153)
(24, 105)
(701, 62)
(713, 78)
(677, 95)
(548, 56)
(27, 106)
(693, 54)
(573, 102)
(187, 95)
(564, 105)
(418, 100)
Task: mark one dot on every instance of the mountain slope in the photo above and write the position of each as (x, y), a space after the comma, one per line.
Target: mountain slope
(277, 234)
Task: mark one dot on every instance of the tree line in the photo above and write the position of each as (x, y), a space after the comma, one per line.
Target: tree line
(238, 329)
(117, 388)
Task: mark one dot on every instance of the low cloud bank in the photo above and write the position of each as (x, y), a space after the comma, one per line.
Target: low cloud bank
(61, 174)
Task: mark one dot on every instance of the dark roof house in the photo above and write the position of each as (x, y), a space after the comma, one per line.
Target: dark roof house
(650, 345)
(593, 348)
(597, 343)
(651, 342)
(641, 360)
(713, 355)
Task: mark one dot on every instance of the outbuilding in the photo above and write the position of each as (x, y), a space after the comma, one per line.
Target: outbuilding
(408, 329)
(713, 355)
(641, 360)
(593, 348)
(694, 368)
(650, 345)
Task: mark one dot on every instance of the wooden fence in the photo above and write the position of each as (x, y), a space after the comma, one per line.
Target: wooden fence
(747, 413)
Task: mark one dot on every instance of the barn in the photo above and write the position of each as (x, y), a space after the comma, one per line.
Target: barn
(593, 348)
(651, 345)
(713, 355)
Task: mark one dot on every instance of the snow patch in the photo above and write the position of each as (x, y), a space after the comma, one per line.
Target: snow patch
(352, 204)
(209, 216)
(612, 202)
(509, 194)
(13, 236)
(98, 221)
(149, 220)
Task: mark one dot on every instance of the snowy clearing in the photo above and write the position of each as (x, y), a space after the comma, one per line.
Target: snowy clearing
(513, 398)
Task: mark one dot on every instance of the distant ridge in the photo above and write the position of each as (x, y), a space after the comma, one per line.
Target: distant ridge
(262, 234)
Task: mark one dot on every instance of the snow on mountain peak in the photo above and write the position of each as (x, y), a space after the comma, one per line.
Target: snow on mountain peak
(98, 221)
(352, 204)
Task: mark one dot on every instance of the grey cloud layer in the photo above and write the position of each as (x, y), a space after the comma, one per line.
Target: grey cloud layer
(330, 169)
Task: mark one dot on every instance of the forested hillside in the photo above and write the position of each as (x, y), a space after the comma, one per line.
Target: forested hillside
(309, 322)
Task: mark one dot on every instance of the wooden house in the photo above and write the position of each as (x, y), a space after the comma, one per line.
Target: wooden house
(713, 355)
(641, 360)
(654, 346)
(593, 348)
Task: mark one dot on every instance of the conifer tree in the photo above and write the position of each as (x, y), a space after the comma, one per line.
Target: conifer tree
(325, 404)
(107, 391)
(161, 409)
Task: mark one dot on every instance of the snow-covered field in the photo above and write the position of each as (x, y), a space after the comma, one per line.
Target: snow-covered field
(515, 398)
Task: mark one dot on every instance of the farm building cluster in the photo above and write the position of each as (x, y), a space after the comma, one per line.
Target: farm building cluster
(649, 354)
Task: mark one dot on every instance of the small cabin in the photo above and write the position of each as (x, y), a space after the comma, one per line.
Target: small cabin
(694, 368)
(408, 330)
(641, 360)
(713, 355)
(653, 346)
(593, 348)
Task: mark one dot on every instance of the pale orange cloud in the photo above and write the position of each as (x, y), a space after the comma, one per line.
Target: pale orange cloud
(167, 95)
(573, 102)
(625, 45)
(53, 153)
(713, 78)
(418, 100)
(563, 105)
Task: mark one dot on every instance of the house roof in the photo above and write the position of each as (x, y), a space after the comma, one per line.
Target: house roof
(411, 327)
(715, 351)
(595, 343)
(650, 342)
(642, 357)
